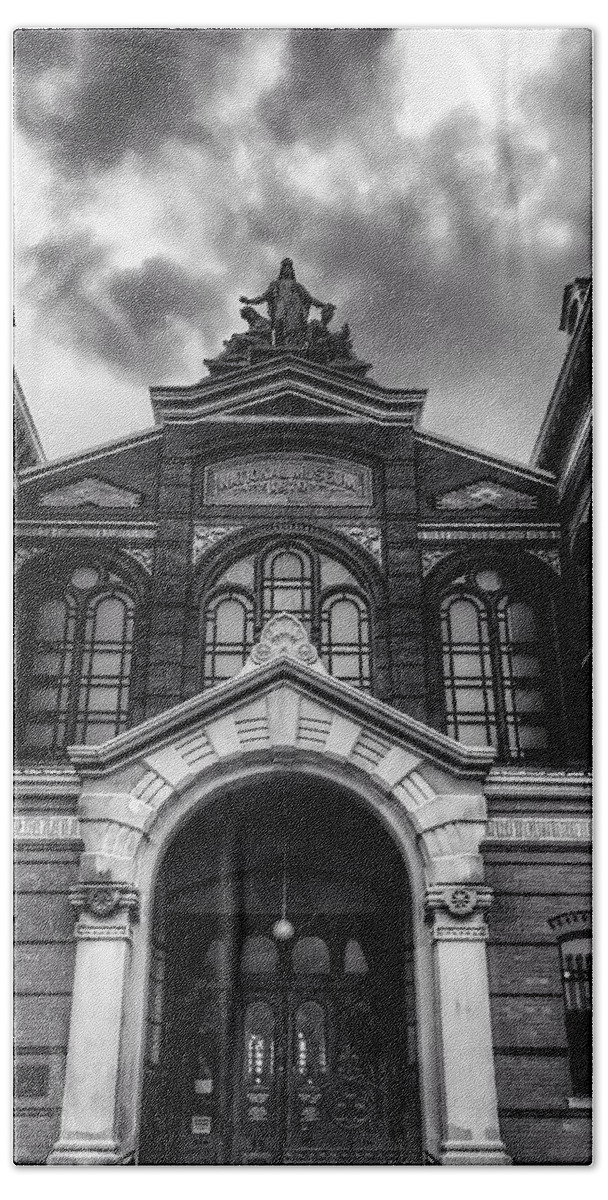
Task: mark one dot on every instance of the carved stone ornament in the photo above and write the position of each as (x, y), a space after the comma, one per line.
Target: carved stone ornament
(287, 329)
(24, 553)
(486, 494)
(93, 491)
(205, 537)
(142, 555)
(431, 558)
(550, 558)
(284, 636)
(104, 898)
(459, 900)
(368, 537)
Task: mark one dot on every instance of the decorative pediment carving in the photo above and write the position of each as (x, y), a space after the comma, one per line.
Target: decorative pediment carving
(284, 636)
(93, 491)
(486, 494)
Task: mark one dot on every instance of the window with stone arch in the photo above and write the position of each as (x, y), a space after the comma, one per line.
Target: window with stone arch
(78, 647)
(291, 577)
(495, 667)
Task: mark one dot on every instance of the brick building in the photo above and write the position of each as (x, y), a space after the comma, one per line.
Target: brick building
(302, 795)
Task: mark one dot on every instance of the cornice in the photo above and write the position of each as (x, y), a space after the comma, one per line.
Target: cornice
(560, 388)
(30, 782)
(482, 531)
(219, 398)
(539, 783)
(125, 530)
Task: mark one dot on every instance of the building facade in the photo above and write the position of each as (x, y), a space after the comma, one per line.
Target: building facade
(302, 793)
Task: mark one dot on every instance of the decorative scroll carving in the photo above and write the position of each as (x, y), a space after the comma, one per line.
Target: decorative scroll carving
(205, 537)
(550, 558)
(289, 479)
(430, 559)
(103, 898)
(288, 330)
(368, 537)
(91, 491)
(284, 636)
(486, 494)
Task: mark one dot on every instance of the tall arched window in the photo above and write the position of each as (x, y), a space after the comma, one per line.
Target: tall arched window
(493, 671)
(467, 671)
(292, 578)
(345, 638)
(228, 636)
(77, 662)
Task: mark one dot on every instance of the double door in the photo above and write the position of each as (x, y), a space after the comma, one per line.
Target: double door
(309, 1082)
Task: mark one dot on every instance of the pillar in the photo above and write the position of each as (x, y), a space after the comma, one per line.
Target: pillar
(470, 1110)
(89, 1133)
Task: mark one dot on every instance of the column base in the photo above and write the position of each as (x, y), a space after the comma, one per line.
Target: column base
(467, 1154)
(86, 1152)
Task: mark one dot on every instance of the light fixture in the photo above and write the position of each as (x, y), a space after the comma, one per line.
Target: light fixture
(283, 929)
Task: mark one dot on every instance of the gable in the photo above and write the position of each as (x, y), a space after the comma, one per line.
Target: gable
(93, 491)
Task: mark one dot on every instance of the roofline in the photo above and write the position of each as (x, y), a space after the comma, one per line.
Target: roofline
(561, 379)
(464, 760)
(69, 460)
(227, 379)
(28, 418)
(538, 474)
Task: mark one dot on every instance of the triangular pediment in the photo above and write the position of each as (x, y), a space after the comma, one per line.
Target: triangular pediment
(286, 389)
(289, 704)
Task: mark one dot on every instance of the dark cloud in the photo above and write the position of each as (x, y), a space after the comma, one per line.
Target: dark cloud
(123, 91)
(331, 77)
(136, 320)
(448, 252)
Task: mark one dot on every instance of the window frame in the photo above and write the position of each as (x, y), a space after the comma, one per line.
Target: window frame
(459, 580)
(319, 596)
(46, 579)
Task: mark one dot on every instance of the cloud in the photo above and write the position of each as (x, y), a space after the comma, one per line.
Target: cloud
(135, 320)
(447, 250)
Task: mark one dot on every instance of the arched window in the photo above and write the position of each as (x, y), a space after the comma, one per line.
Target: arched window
(311, 956)
(287, 584)
(291, 578)
(467, 672)
(103, 698)
(77, 662)
(228, 636)
(521, 672)
(573, 930)
(493, 670)
(345, 638)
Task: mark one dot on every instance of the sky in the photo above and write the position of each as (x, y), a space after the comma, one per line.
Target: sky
(433, 183)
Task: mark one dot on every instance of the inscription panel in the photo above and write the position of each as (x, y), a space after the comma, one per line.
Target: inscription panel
(289, 479)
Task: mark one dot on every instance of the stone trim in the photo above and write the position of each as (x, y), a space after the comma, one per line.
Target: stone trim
(539, 829)
(459, 900)
(54, 827)
(567, 922)
(103, 899)
(488, 532)
(550, 558)
(145, 531)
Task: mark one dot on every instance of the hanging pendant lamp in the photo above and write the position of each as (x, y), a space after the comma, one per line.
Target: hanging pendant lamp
(283, 929)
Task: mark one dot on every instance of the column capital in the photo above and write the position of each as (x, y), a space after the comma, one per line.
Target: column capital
(458, 900)
(98, 901)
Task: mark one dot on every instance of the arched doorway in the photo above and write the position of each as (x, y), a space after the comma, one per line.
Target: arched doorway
(262, 1049)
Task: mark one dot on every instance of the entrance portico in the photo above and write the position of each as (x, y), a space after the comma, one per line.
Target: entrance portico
(283, 714)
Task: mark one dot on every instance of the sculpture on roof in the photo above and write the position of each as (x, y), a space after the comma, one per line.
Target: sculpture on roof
(287, 330)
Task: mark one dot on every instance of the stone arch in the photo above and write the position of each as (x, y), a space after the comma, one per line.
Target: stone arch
(285, 713)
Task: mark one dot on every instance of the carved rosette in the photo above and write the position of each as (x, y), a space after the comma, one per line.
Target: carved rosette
(104, 908)
(457, 911)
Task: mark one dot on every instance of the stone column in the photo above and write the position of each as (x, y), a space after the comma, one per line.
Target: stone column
(89, 1133)
(470, 1110)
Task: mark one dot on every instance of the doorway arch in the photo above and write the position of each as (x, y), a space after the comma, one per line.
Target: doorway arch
(269, 1049)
